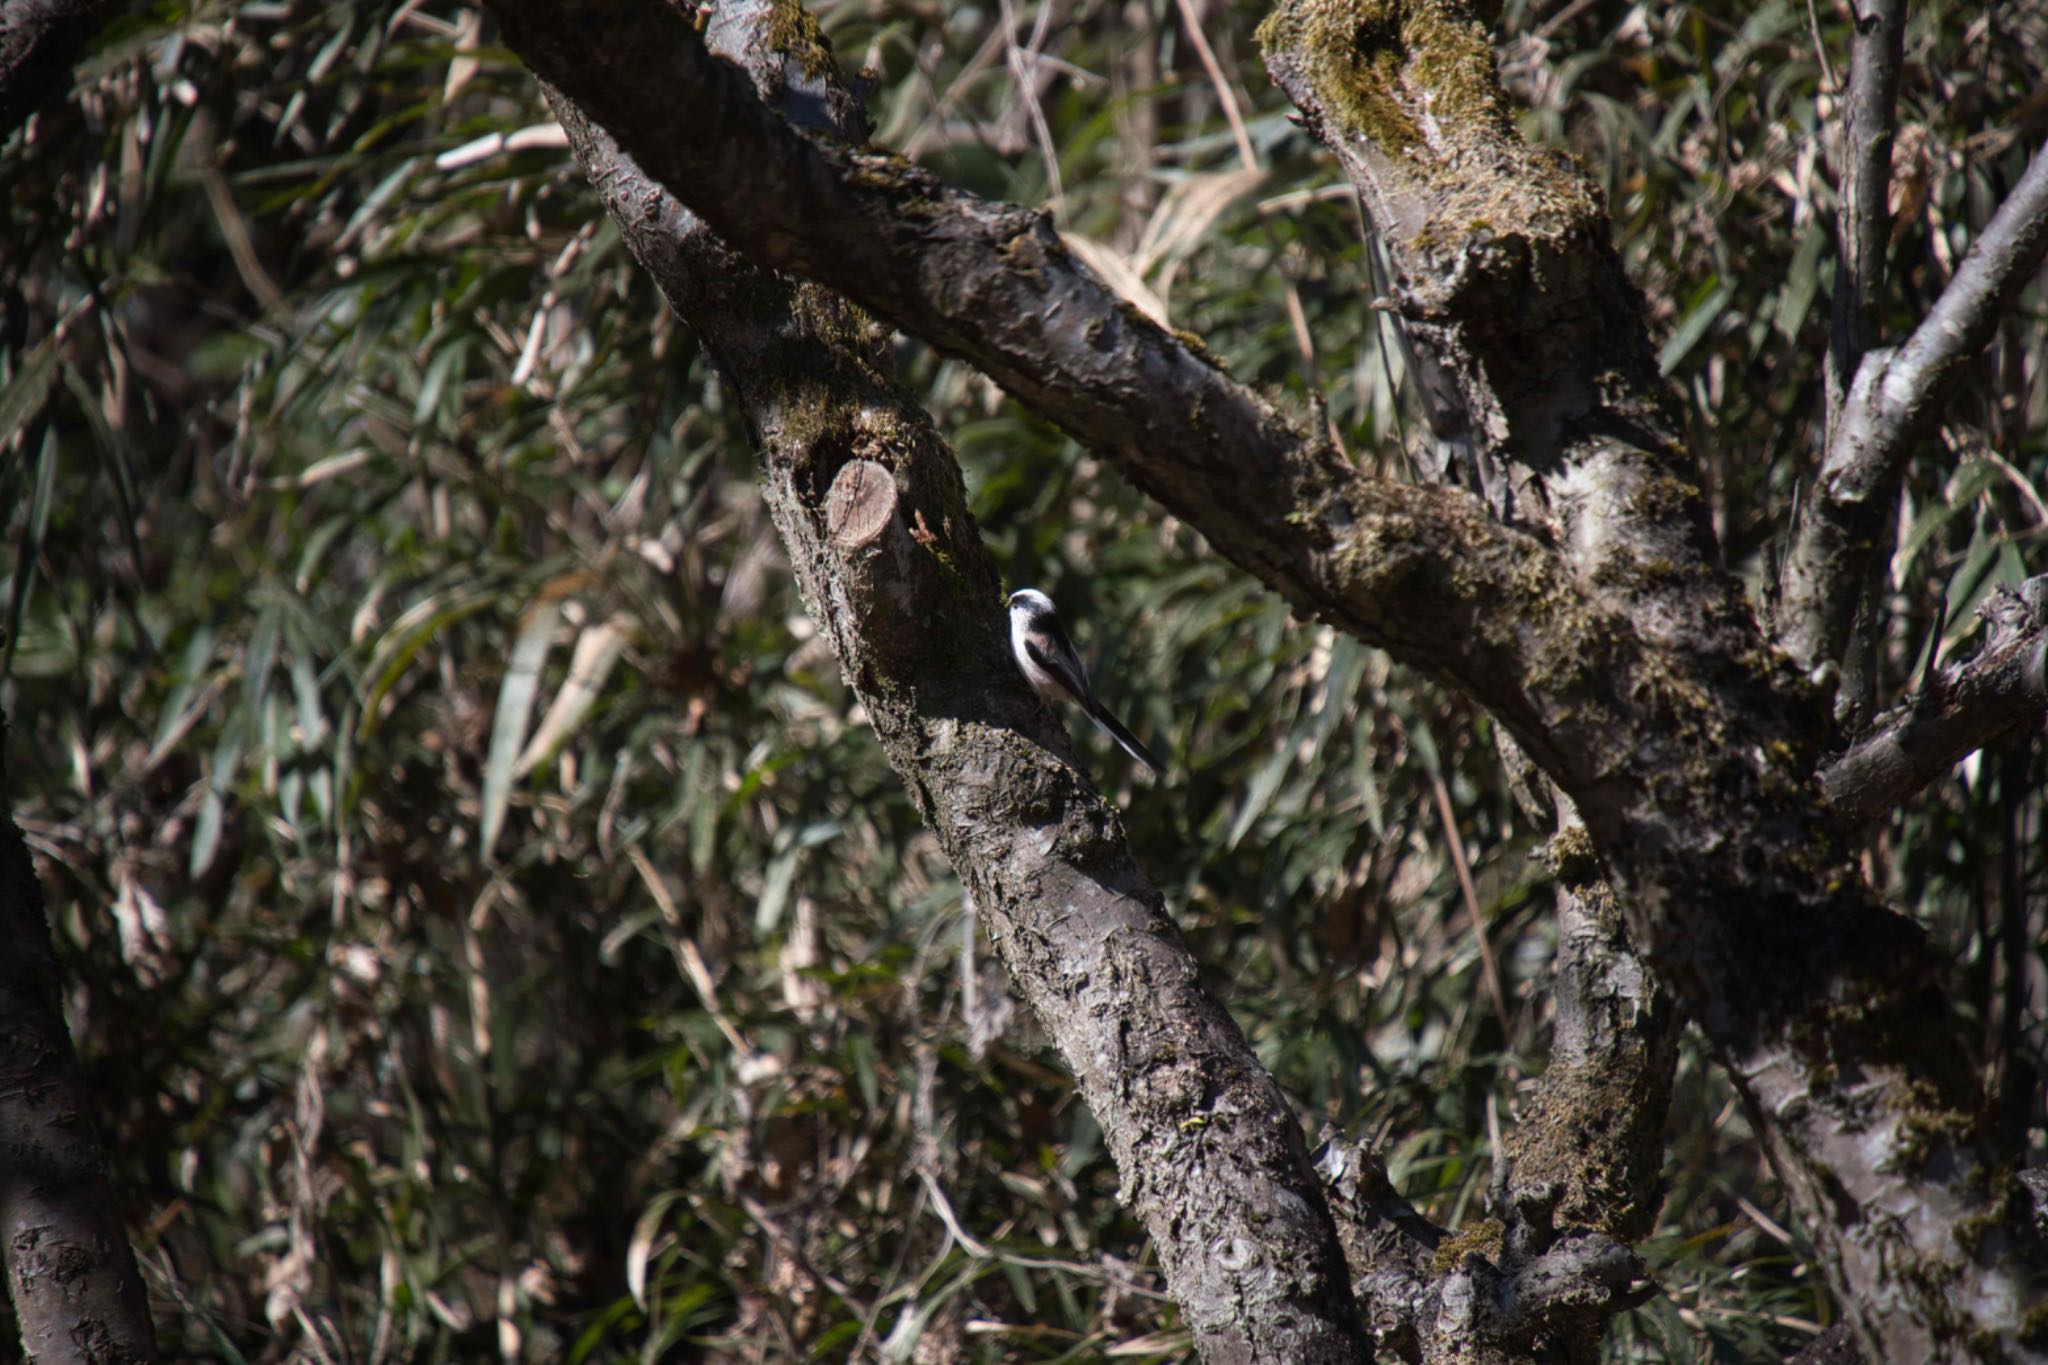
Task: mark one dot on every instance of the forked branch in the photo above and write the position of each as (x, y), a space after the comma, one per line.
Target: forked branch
(872, 511)
(2001, 690)
(1892, 403)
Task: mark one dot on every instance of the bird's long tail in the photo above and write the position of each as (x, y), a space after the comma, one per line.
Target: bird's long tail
(1114, 728)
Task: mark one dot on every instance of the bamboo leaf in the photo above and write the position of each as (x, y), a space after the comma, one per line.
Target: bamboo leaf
(597, 653)
(515, 706)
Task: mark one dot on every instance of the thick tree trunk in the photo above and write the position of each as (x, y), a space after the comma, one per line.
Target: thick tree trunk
(1821, 1002)
(69, 1267)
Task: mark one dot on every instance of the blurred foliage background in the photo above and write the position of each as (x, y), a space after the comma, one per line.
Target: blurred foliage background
(490, 925)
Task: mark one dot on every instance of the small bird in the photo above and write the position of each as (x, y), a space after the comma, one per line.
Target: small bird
(1055, 671)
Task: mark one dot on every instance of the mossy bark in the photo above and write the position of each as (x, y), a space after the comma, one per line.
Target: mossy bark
(1710, 818)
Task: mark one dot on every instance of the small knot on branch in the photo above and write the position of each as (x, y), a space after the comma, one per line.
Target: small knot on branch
(860, 505)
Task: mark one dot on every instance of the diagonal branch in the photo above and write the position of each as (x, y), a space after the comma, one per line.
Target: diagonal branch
(1424, 573)
(1419, 571)
(1892, 402)
(871, 507)
(2001, 690)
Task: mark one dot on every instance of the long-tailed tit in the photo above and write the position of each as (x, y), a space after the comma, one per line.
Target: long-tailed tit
(1055, 671)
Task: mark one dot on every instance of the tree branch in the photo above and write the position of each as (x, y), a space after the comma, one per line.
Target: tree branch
(873, 512)
(2004, 688)
(1642, 688)
(1421, 572)
(1863, 175)
(1893, 400)
(39, 39)
(1503, 1289)
(1531, 352)
(1592, 1128)
(1387, 1243)
(69, 1266)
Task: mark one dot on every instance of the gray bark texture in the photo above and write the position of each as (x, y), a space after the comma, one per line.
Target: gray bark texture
(1592, 1129)
(1816, 998)
(39, 39)
(70, 1271)
(2002, 690)
(872, 511)
(1576, 593)
(1863, 177)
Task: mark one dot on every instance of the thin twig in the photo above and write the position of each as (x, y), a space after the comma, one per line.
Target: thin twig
(1820, 51)
(1563, 17)
(787, 1245)
(1024, 70)
(1297, 315)
(1224, 93)
(1488, 968)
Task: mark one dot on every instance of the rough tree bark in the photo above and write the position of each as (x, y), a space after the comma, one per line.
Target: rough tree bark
(1963, 708)
(873, 514)
(808, 371)
(69, 1267)
(1598, 626)
(1892, 402)
(1537, 334)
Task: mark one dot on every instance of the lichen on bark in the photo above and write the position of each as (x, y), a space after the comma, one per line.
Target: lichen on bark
(1411, 84)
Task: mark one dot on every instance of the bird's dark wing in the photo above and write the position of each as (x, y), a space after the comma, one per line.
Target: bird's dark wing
(1062, 671)
(1050, 624)
(1060, 664)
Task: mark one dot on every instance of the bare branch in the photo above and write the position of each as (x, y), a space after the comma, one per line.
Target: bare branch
(1864, 175)
(1502, 1289)
(2004, 688)
(1894, 398)
(1387, 1243)
(872, 509)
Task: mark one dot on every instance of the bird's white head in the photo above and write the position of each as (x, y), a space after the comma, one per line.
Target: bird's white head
(1031, 602)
